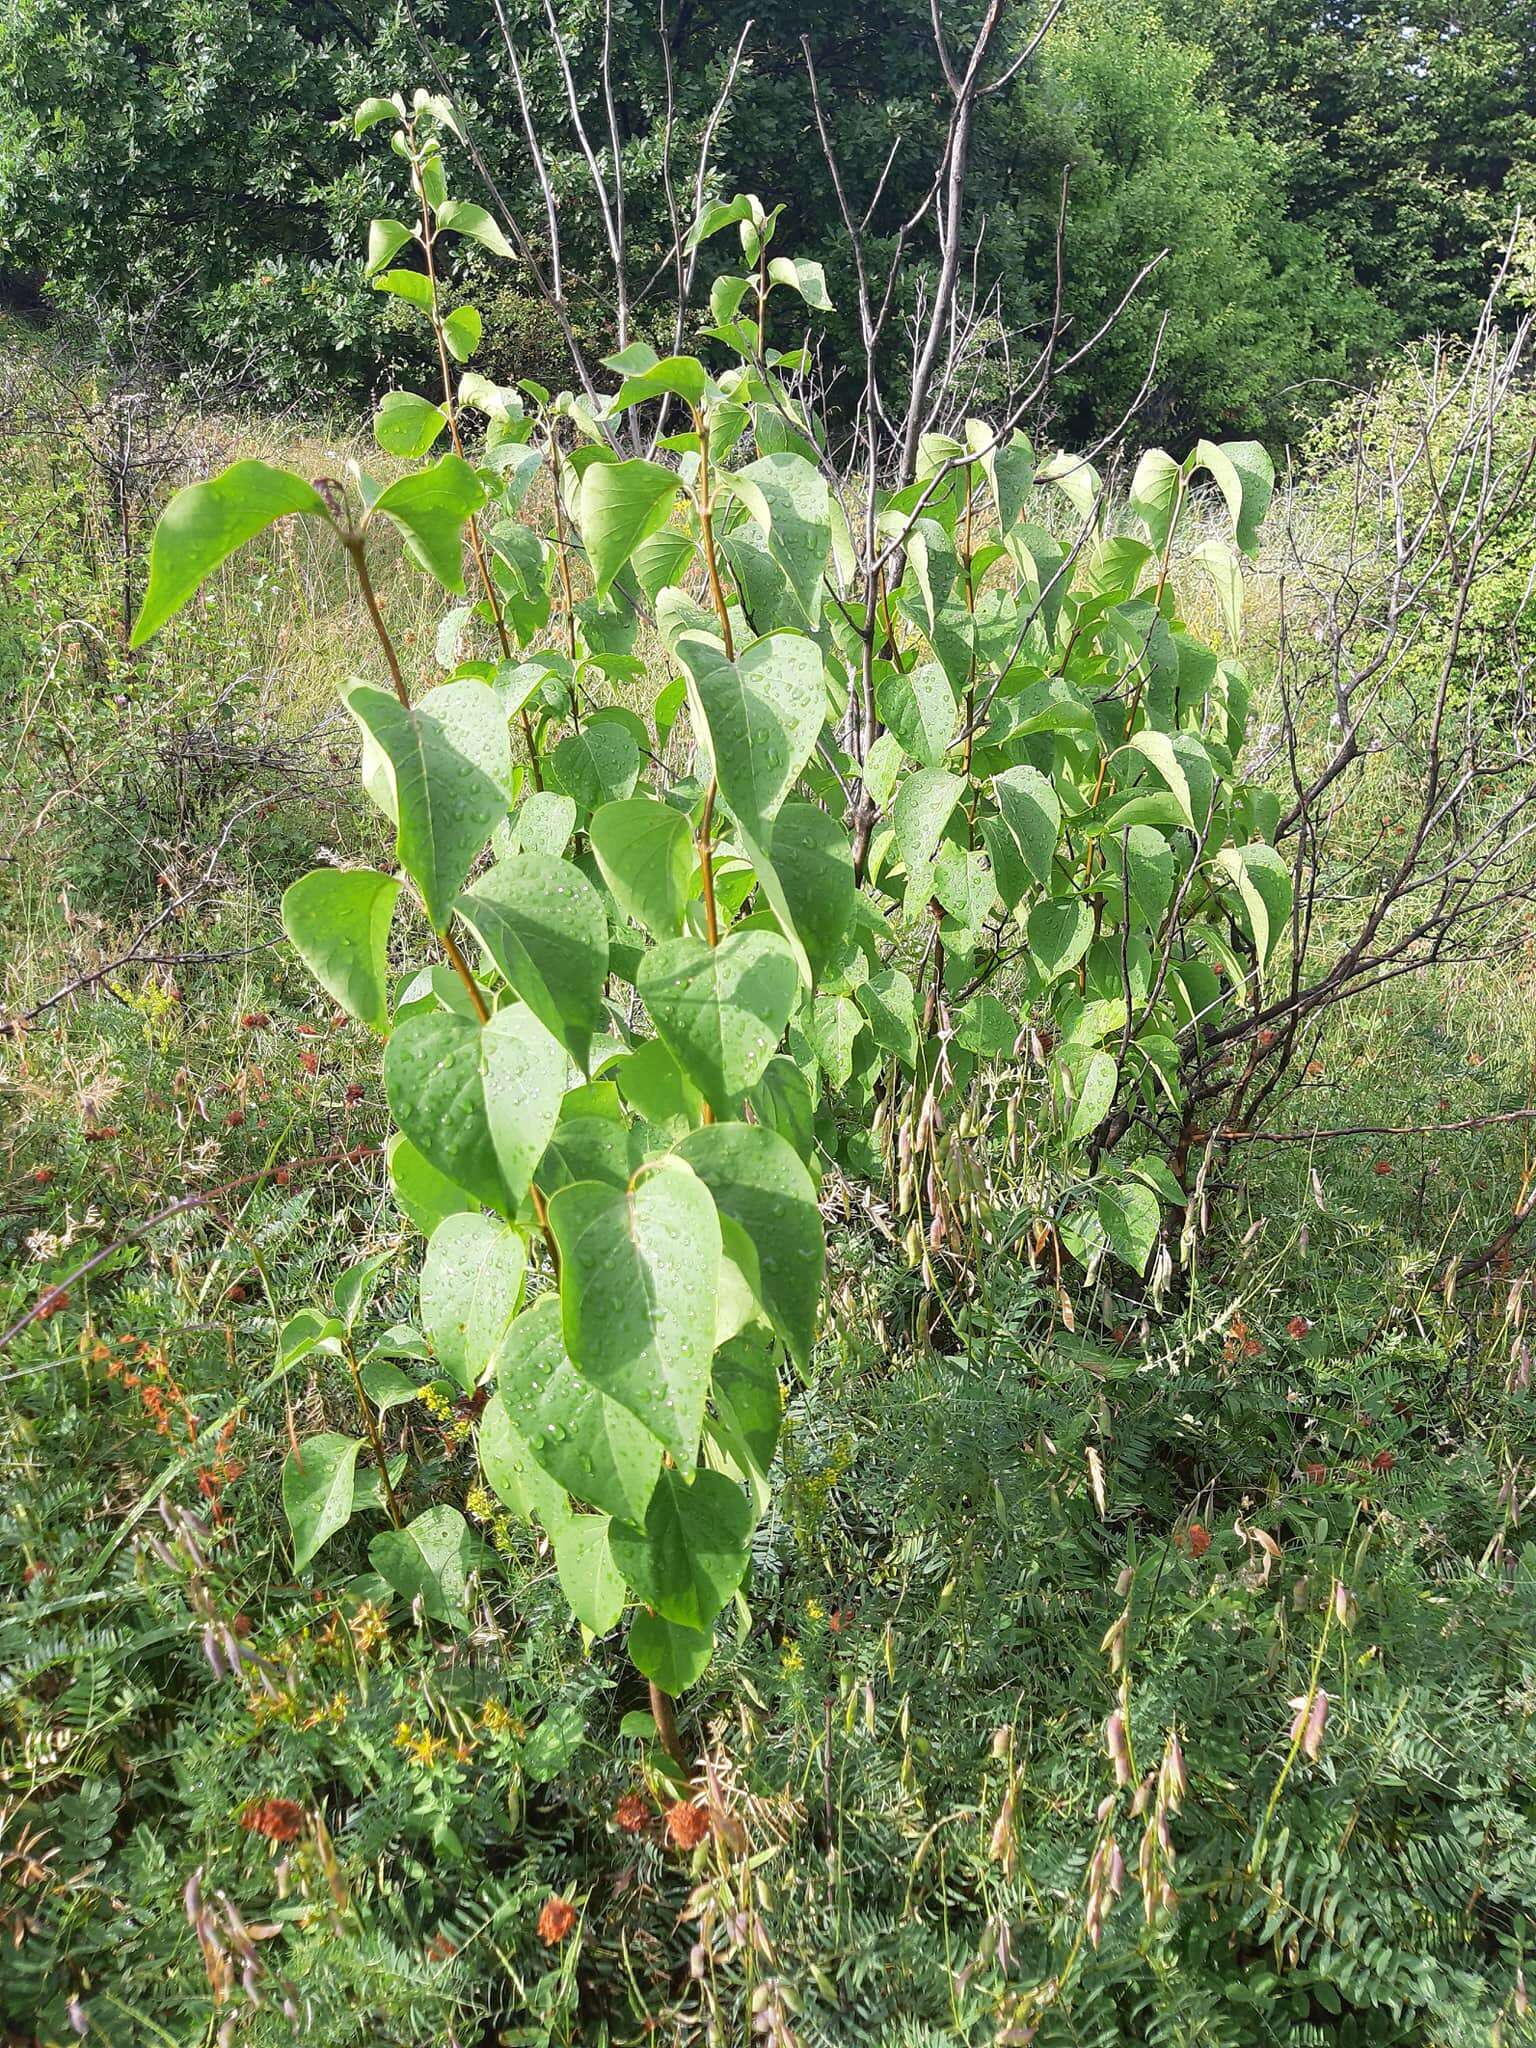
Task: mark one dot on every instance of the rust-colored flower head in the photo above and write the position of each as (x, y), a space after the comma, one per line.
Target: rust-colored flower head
(556, 1919)
(687, 1824)
(633, 1813)
(279, 1820)
(1297, 1327)
(1199, 1539)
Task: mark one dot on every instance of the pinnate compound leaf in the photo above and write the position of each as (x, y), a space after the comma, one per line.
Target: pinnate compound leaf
(690, 1554)
(471, 1283)
(318, 1482)
(639, 1275)
(337, 920)
(204, 523)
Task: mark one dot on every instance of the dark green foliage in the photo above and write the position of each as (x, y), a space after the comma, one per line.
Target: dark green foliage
(195, 158)
(1408, 132)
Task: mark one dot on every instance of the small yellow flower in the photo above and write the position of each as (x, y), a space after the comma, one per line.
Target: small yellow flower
(790, 1657)
(815, 1611)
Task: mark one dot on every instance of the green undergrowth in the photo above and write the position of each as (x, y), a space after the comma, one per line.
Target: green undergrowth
(1306, 1474)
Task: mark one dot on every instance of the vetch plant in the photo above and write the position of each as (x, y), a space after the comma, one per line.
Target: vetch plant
(937, 783)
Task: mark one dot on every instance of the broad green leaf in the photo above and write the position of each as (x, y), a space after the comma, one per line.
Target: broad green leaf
(471, 1283)
(1183, 764)
(810, 881)
(1157, 491)
(598, 765)
(762, 714)
(371, 112)
(464, 218)
(759, 1182)
(788, 498)
(889, 1002)
(318, 1480)
(920, 710)
(544, 925)
(1148, 864)
(924, 805)
(804, 277)
(691, 1553)
(425, 1194)
(1095, 1095)
(406, 425)
(1032, 813)
(782, 1102)
(1264, 889)
(1010, 472)
(683, 377)
(673, 1658)
(387, 1386)
(204, 523)
(645, 851)
(832, 1027)
(337, 920)
(655, 1087)
(721, 1010)
(589, 1578)
(512, 1473)
(449, 759)
(544, 823)
(430, 508)
(386, 238)
(587, 1443)
(1129, 1214)
(1245, 476)
(748, 1397)
(639, 1270)
(618, 505)
(461, 330)
(430, 1560)
(1059, 934)
(479, 1104)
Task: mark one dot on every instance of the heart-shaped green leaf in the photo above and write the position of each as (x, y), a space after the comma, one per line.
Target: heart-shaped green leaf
(318, 1480)
(204, 523)
(673, 1658)
(338, 922)
(479, 1103)
(430, 1560)
(690, 1554)
(721, 1010)
(759, 1182)
(471, 1283)
(639, 1273)
(620, 504)
(589, 1444)
(543, 924)
(761, 714)
(645, 851)
(430, 508)
(448, 763)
